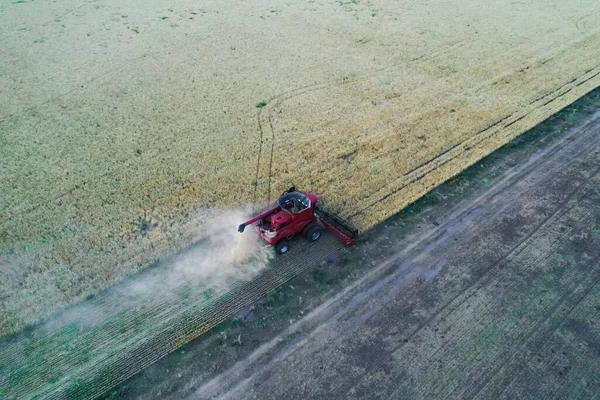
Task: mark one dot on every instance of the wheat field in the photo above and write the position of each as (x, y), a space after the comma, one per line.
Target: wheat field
(125, 126)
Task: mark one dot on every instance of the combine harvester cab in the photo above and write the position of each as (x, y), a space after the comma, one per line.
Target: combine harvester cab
(296, 213)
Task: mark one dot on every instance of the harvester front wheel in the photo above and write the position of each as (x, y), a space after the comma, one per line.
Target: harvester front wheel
(314, 233)
(282, 247)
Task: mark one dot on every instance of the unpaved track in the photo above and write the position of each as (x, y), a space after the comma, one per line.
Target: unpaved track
(513, 313)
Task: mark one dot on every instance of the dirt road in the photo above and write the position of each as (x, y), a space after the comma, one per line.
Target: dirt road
(514, 312)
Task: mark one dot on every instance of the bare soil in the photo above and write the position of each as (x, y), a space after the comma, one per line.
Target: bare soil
(486, 288)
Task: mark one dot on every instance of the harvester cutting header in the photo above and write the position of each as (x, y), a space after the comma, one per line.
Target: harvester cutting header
(297, 213)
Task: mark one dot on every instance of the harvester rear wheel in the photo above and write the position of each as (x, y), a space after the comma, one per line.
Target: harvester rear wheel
(307, 228)
(313, 233)
(282, 247)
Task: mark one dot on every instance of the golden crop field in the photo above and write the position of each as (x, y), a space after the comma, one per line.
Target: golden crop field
(125, 126)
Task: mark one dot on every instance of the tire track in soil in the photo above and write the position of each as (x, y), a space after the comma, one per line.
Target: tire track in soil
(422, 170)
(478, 283)
(535, 236)
(591, 372)
(505, 361)
(510, 355)
(278, 99)
(582, 23)
(495, 302)
(563, 235)
(550, 374)
(564, 231)
(525, 352)
(543, 341)
(260, 140)
(430, 166)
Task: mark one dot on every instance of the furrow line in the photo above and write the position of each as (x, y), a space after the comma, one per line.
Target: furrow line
(502, 276)
(455, 150)
(473, 286)
(510, 355)
(545, 340)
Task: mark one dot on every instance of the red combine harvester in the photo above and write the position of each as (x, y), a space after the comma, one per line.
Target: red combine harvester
(296, 213)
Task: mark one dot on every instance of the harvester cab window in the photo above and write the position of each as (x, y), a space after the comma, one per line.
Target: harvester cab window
(303, 203)
(288, 205)
(294, 202)
(297, 207)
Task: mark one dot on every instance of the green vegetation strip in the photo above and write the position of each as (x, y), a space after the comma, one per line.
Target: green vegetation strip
(92, 348)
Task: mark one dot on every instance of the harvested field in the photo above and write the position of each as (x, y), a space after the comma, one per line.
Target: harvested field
(124, 126)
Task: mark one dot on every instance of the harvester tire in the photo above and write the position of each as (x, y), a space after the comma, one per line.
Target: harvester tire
(282, 247)
(314, 233)
(307, 228)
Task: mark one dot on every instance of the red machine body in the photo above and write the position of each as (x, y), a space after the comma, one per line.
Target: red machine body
(296, 213)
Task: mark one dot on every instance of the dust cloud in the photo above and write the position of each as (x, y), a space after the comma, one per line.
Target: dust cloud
(116, 324)
(223, 257)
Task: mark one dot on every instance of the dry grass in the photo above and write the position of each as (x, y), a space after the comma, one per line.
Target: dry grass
(117, 123)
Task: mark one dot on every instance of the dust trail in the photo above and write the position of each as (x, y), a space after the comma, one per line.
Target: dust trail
(115, 325)
(223, 257)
